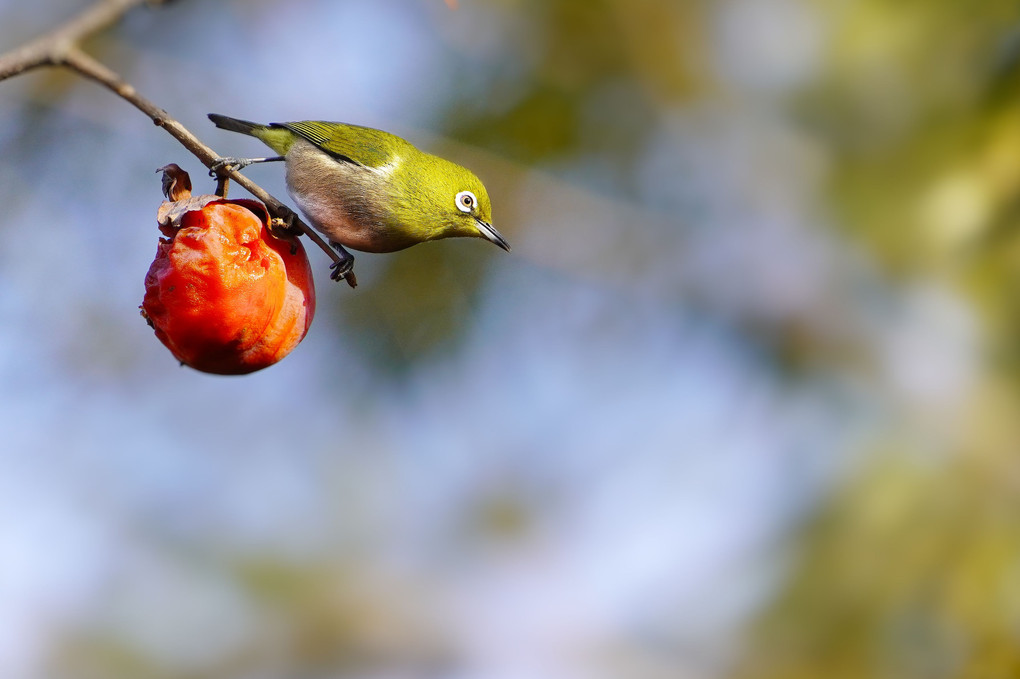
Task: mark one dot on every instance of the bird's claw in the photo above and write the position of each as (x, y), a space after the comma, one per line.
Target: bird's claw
(343, 269)
(339, 270)
(228, 163)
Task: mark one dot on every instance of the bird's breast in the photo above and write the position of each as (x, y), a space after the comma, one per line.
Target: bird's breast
(345, 201)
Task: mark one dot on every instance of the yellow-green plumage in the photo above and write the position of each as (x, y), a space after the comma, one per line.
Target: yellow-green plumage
(371, 190)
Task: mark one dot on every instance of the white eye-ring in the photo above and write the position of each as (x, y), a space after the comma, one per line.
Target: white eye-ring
(466, 201)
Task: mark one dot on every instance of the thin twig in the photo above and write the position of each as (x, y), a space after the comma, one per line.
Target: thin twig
(222, 186)
(46, 50)
(60, 48)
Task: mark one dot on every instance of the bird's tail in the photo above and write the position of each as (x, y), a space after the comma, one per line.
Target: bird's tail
(235, 124)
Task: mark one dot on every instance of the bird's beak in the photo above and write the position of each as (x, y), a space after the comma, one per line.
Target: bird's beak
(490, 233)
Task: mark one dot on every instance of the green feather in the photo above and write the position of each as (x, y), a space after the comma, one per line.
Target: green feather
(352, 143)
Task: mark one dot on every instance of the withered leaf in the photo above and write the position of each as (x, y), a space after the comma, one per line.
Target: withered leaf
(176, 182)
(171, 213)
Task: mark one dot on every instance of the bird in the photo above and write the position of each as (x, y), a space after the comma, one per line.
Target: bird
(367, 189)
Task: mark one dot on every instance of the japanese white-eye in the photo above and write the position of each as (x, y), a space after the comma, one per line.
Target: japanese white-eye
(371, 190)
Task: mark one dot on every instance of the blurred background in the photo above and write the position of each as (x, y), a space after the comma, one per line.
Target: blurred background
(743, 402)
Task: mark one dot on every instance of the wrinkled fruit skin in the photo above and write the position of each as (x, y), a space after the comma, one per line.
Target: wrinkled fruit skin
(226, 296)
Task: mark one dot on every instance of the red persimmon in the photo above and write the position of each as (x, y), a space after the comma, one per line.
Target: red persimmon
(224, 294)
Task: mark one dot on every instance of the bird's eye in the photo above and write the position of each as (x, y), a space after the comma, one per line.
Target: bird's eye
(466, 201)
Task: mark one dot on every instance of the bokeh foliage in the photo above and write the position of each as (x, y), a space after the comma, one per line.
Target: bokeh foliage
(911, 569)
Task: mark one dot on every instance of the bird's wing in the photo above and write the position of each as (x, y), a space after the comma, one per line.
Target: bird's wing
(349, 143)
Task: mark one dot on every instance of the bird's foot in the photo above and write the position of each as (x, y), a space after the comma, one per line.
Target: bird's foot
(229, 163)
(343, 269)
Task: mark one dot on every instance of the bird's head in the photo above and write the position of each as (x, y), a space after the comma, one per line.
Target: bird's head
(460, 204)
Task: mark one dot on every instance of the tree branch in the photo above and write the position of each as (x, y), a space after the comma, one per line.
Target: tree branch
(46, 50)
(60, 48)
